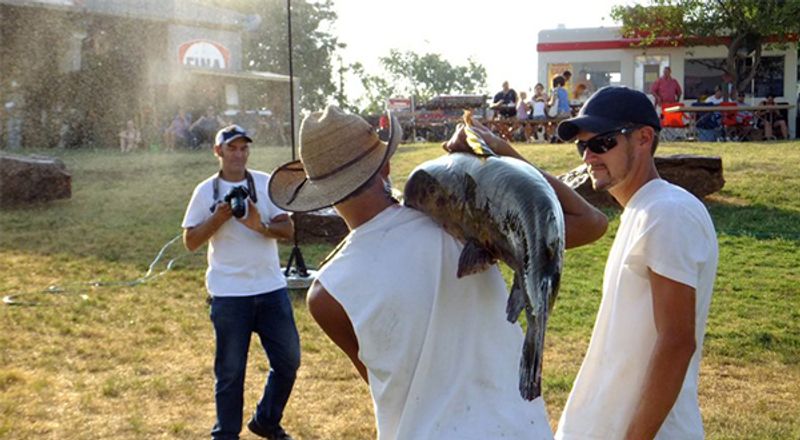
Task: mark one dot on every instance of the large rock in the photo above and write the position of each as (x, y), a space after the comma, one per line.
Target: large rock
(321, 226)
(27, 179)
(700, 175)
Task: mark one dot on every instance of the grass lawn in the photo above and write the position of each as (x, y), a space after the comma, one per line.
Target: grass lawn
(135, 362)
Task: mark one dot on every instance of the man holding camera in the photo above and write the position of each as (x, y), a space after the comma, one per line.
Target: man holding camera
(248, 291)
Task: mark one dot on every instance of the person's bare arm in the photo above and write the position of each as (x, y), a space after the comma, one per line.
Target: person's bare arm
(333, 320)
(196, 236)
(674, 313)
(583, 222)
(280, 226)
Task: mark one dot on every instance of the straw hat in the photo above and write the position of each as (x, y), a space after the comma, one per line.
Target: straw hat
(339, 152)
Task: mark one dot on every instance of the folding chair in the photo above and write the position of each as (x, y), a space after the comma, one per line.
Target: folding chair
(730, 124)
(673, 125)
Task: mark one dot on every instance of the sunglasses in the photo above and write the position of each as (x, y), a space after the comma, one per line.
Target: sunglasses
(603, 142)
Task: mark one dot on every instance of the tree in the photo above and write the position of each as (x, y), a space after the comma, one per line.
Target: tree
(266, 47)
(744, 26)
(419, 76)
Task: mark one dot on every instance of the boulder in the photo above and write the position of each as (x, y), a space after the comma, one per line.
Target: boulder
(321, 226)
(700, 175)
(28, 179)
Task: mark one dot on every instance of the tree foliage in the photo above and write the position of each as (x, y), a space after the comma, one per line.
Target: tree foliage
(266, 47)
(421, 76)
(744, 26)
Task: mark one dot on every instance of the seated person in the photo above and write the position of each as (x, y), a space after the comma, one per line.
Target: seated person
(204, 129)
(523, 109)
(709, 125)
(538, 105)
(505, 102)
(772, 119)
(715, 99)
(130, 138)
(177, 134)
(560, 101)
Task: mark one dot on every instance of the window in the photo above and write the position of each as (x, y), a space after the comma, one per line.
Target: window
(702, 75)
(597, 74)
(769, 78)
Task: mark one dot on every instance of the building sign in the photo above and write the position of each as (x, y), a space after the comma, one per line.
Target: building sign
(401, 105)
(205, 54)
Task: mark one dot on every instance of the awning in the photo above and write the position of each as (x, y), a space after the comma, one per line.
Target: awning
(245, 74)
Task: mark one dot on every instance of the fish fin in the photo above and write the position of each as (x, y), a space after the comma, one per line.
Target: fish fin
(516, 300)
(474, 258)
(530, 366)
(477, 144)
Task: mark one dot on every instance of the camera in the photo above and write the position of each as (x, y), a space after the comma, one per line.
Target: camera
(237, 199)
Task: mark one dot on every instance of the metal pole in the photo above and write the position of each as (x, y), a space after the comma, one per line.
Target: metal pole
(296, 256)
(291, 74)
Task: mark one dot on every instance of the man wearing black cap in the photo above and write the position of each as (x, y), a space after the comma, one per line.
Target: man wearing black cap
(248, 291)
(639, 377)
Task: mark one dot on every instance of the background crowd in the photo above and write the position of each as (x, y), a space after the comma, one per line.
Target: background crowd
(542, 111)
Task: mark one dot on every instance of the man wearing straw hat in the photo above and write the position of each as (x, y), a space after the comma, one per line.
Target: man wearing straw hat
(248, 291)
(440, 359)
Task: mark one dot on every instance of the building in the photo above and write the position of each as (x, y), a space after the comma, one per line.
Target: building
(84, 67)
(600, 56)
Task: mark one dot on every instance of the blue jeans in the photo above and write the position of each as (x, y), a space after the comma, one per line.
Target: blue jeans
(270, 316)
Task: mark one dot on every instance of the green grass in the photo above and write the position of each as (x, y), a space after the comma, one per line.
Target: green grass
(132, 362)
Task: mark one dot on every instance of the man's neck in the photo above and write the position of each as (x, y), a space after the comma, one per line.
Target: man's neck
(232, 176)
(638, 178)
(363, 209)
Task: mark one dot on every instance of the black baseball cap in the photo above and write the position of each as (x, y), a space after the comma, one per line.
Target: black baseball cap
(611, 108)
(229, 133)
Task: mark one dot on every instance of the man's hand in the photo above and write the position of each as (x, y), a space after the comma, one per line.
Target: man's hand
(195, 237)
(253, 218)
(222, 213)
(458, 141)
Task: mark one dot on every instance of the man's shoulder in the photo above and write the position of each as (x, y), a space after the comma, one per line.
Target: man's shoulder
(207, 183)
(258, 175)
(672, 201)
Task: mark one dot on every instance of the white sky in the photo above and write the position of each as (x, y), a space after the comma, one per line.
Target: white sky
(499, 34)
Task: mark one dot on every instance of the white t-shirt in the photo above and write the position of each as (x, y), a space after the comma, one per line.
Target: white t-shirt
(241, 262)
(714, 100)
(668, 230)
(442, 361)
(538, 108)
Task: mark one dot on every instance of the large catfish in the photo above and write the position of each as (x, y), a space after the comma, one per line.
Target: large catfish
(500, 208)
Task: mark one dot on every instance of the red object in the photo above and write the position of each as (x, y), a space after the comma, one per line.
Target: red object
(673, 120)
(729, 118)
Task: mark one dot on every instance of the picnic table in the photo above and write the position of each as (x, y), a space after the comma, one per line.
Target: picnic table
(755, 109)
(506, 127)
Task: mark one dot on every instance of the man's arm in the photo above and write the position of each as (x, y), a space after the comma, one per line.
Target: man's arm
(333, 320)
(674, 313)
(583, 222)
(680, 91)
(654, 91)
(196, 236)
(280, 227)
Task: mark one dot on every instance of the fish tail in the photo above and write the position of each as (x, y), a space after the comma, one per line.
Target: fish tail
(530, 369)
